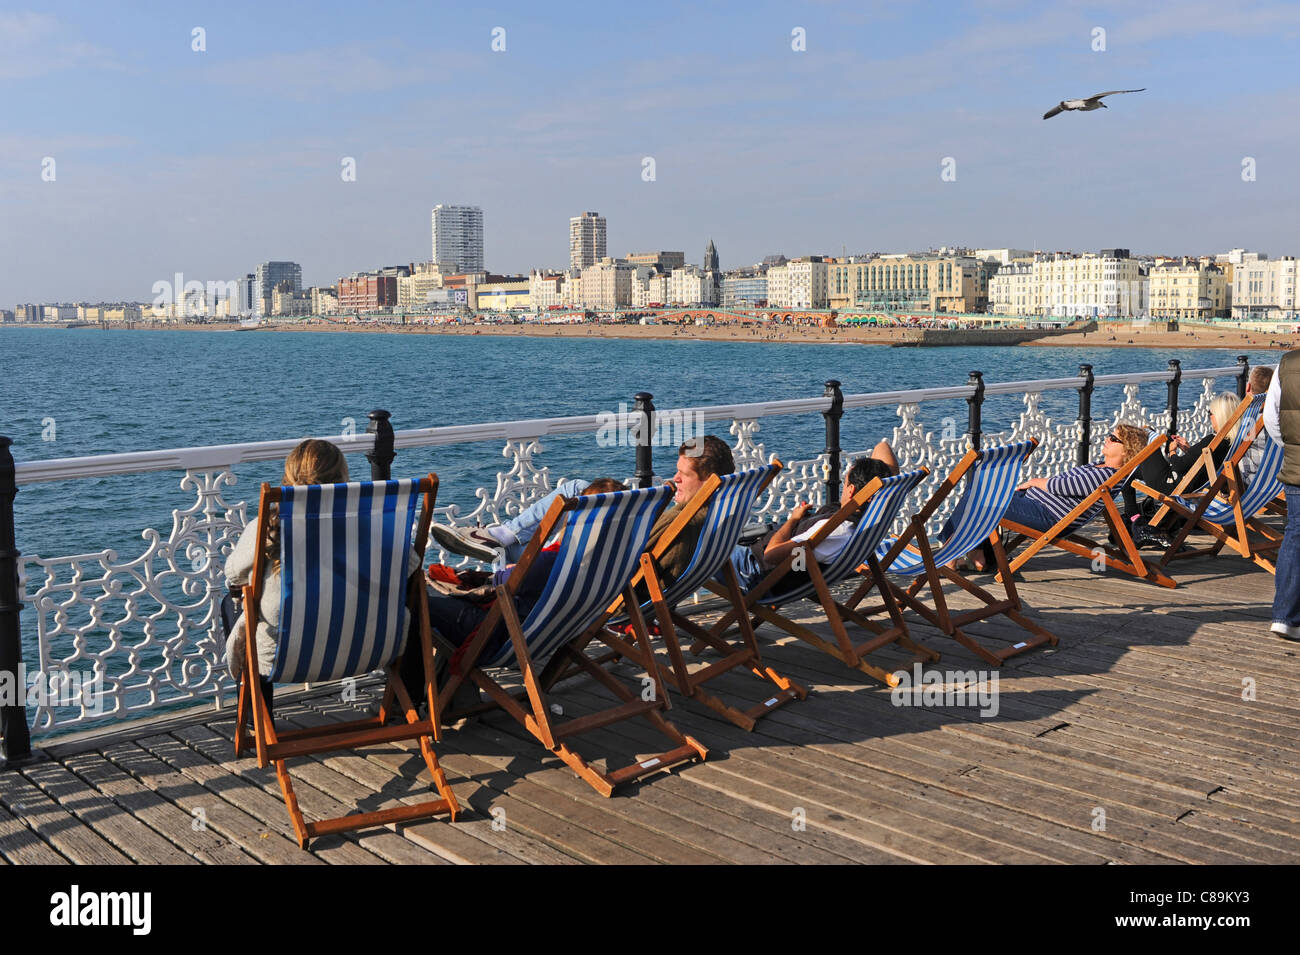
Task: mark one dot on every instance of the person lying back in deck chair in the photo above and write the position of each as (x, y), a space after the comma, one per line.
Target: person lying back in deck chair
(1041, 502)
(754, 562)
(456, 618)
(698, 459)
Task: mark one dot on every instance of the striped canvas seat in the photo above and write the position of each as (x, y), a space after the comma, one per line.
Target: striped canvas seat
(1246, 423)
(347, 572)
(873, 524)
(604, 535)
(1264, 486)
(988, 492)
(344, 565)
(726, 501)
(729, 510)
(603, 538)
(990, 476)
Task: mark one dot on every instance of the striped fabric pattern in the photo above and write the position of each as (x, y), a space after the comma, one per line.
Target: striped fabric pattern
(1264, 486)
(1065, 490)
(872, 526)
(989, 487)
(1246, 423)
(343, 567)
(604, 535)
(728, 510)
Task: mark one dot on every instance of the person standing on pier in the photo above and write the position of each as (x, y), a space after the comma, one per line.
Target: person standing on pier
(1282, 421)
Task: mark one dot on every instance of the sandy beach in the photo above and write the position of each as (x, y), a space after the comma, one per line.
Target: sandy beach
(1107, 336)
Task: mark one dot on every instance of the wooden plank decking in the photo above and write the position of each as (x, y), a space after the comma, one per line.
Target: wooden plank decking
(1139, 714)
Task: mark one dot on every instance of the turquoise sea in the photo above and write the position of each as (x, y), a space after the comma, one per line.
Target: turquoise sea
(97, 392)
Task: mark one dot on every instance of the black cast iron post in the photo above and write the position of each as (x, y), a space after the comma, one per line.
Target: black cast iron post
(833, 414)
(644, 409)
(1085, 415)
(1176, 367)
(1243, 375)
(381, 458)
(17, 744)
(975, 406)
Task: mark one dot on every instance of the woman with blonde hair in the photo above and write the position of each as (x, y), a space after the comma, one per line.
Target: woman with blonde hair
(312, 462)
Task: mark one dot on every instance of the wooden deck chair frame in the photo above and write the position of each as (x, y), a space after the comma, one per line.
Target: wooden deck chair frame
(531, 708)
(1201, 473)
(843, 648)
(744, 652)
(274, 747)
(1246, 535)
(1123, 556)
(934, 574)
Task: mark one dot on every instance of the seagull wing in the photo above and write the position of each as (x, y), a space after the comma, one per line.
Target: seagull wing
(1112, 93)
(1053, 111)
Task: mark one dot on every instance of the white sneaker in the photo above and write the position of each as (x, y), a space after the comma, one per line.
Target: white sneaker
(1285, 630)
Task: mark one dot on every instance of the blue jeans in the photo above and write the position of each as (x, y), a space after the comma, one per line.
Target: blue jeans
(530, 518)
(748, 568)
(1022, 509)
(1286, 592)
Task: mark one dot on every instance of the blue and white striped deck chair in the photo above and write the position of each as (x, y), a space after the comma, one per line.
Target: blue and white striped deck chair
(879, 503)
(1229, 515)
(347, 588)
(1115, 551)
(603, 536)
(727, 502)
(991, 477)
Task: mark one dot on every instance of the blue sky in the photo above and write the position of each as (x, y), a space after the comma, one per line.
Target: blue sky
(170, 160)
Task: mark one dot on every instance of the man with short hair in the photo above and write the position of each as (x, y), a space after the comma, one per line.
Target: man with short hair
(1261, 377)
(698, 459)
(1282, 420)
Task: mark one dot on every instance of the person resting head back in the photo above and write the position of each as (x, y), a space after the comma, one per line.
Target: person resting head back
(604, 486)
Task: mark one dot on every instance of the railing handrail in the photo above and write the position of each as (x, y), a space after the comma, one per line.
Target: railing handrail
(228, 455)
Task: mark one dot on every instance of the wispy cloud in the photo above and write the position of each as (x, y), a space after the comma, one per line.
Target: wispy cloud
(36, 44)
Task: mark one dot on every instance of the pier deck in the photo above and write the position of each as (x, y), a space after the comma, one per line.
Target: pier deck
(1129, 743)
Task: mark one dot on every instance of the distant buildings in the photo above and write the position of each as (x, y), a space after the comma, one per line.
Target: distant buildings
(1188, 288)
(692, 286)
(663, 262)
(546, 289)
(1264, 288)
(743, 290)
(267, 276)
(367, 291)
(586, 240)
(607, 284)
(457, 238)
(711, 258)
(1012, 291)
(1109, 284)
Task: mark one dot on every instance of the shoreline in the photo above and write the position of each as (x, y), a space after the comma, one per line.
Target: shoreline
(1107, 336)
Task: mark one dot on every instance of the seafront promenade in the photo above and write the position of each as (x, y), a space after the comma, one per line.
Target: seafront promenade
(1120, 335)
(1128, 743)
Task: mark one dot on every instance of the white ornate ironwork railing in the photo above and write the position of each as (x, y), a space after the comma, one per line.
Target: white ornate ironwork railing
(148, 624)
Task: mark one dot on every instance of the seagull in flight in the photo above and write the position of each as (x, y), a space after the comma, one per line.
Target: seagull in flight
(1084, 105)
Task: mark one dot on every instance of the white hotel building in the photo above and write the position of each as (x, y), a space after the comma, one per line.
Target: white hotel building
(1106, 285)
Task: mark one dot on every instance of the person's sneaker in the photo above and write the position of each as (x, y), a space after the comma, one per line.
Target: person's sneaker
(1150, 538)
(1285, 630)
(473, 542)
